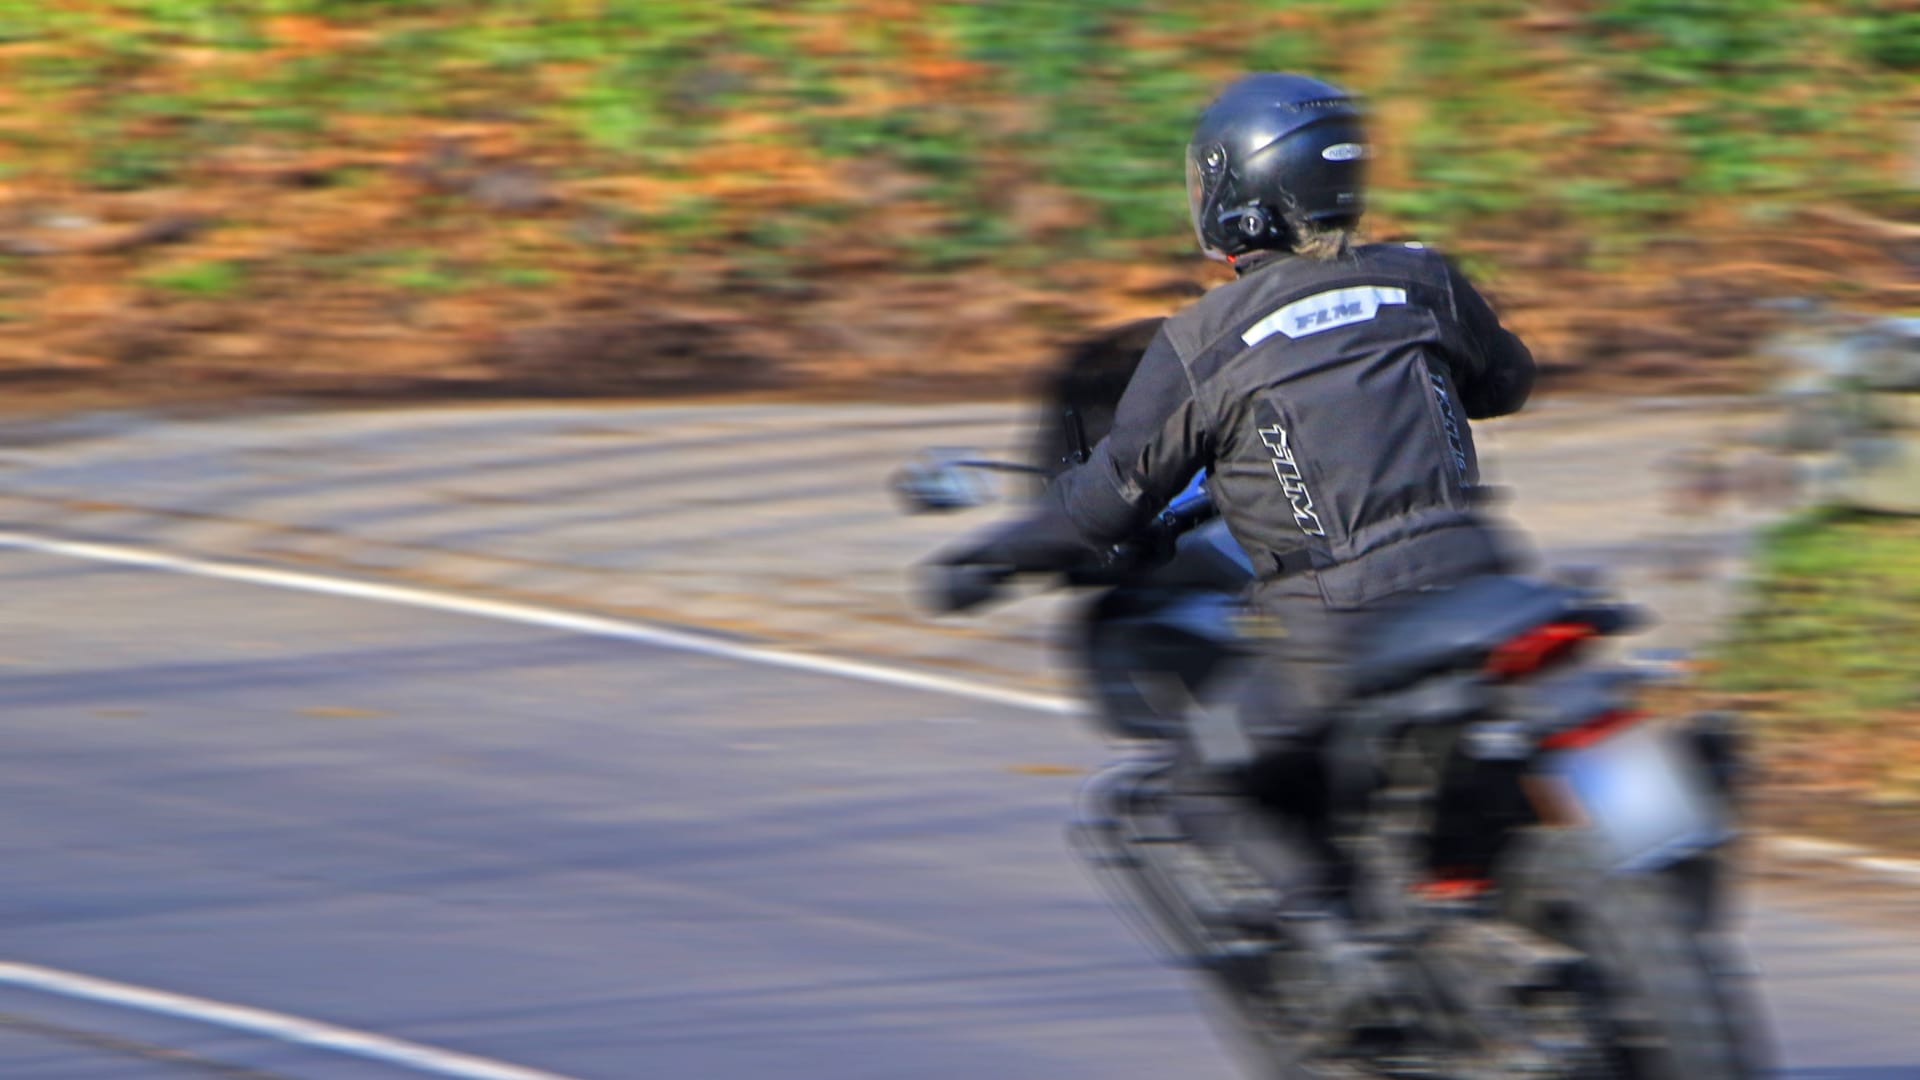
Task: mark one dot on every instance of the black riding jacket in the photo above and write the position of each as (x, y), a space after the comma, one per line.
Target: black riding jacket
(1330, 399)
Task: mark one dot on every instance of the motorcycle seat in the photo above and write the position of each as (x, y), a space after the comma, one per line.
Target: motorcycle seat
(1448, 629)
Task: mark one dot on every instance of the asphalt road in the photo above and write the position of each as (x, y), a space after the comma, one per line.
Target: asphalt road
(580, 855)
(770, 522)
(606, 860)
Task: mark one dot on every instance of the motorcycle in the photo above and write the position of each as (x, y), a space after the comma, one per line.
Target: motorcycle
(1534, 874)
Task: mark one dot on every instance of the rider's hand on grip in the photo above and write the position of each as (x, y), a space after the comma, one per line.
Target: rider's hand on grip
(952, 587)
(1044, 543)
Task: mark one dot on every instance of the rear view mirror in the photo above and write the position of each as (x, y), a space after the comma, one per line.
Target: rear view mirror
(941, 481)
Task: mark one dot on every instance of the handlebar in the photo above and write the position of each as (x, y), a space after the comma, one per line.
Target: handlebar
(1155, 542)
(972, 580)
(1190, 508)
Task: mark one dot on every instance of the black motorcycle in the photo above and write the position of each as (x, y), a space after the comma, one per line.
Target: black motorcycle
(1533, 875)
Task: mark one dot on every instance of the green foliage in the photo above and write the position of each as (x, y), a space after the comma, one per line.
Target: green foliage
(1688, 42)
(1096, 97)
(686, 220)
(200, 22)
(1835, 630)
(57, 73)
(130, 164)
(18, 21)
(290, 118)
(1733, 69)
(525, 277)
(386, 79)
(940, 144)
(208, 279)
(1888, 37)
(660, 70)
(348, 9)
(421, 271)
(964, 240)
(1117, 118)
(1466, 165)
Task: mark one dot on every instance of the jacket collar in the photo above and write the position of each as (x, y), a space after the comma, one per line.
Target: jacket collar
(1248, 263)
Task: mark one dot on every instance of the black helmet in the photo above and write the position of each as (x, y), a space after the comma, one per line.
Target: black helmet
(1271, 153)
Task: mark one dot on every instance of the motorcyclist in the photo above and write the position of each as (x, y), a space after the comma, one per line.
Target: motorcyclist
(1327, 391)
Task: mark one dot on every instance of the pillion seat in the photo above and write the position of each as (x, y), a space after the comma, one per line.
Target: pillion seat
(1460, 627)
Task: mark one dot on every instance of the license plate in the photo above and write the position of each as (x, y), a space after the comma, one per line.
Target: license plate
(1644, 796)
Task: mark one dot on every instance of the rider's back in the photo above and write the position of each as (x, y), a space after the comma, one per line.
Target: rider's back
(1336, 394)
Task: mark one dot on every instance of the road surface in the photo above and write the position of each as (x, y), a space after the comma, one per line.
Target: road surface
(603, 859)
(770, 522)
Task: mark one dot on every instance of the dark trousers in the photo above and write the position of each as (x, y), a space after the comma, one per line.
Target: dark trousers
(1289, 692)
(1264, 741)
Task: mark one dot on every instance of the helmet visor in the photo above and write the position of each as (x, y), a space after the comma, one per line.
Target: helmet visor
(1201, 189)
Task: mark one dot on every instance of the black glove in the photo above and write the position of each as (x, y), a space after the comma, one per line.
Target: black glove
(947, 588)
(970, 574)
(1043, 543)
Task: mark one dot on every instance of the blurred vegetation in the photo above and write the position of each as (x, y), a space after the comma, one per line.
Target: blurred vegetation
(1834, 636)
(206, 279)
(1827, 660)
(772, 147)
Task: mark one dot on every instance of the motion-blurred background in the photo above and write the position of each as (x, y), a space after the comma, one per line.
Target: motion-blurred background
(645, 195)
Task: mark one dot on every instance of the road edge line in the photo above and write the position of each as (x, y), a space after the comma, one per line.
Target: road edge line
(277, 1026)
(1889, 869)
(552, 618)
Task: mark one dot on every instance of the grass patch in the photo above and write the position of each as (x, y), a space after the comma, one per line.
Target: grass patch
(526, 277)
(198, 279)
(131, 164)
(425, 277)
(1833, 640)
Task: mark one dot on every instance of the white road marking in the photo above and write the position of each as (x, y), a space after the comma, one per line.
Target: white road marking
(272, 1025)
(535, 615)
(426, 1059)
(1904, 868)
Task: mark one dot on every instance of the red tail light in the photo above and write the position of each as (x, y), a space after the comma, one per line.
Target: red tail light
(1452, 888)
(1537, 648)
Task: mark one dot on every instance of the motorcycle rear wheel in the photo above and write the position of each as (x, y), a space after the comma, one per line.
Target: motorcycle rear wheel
(1656, 999)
